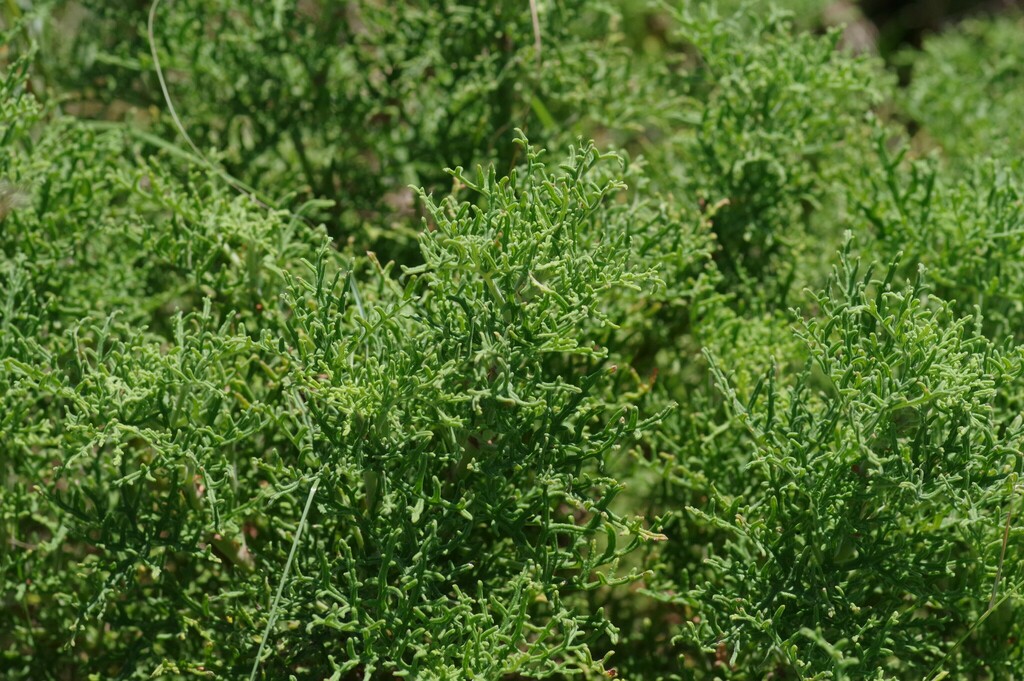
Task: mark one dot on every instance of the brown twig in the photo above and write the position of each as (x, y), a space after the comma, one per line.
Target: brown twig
(535, 17)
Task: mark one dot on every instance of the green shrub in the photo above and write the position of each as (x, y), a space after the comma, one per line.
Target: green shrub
(771, 123)
(869, 513)
(454, 427)
(964, 227)
(462, 408)
(966, 90)
(350, 103)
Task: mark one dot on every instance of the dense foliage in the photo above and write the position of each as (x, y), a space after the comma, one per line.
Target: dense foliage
(508, 340)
